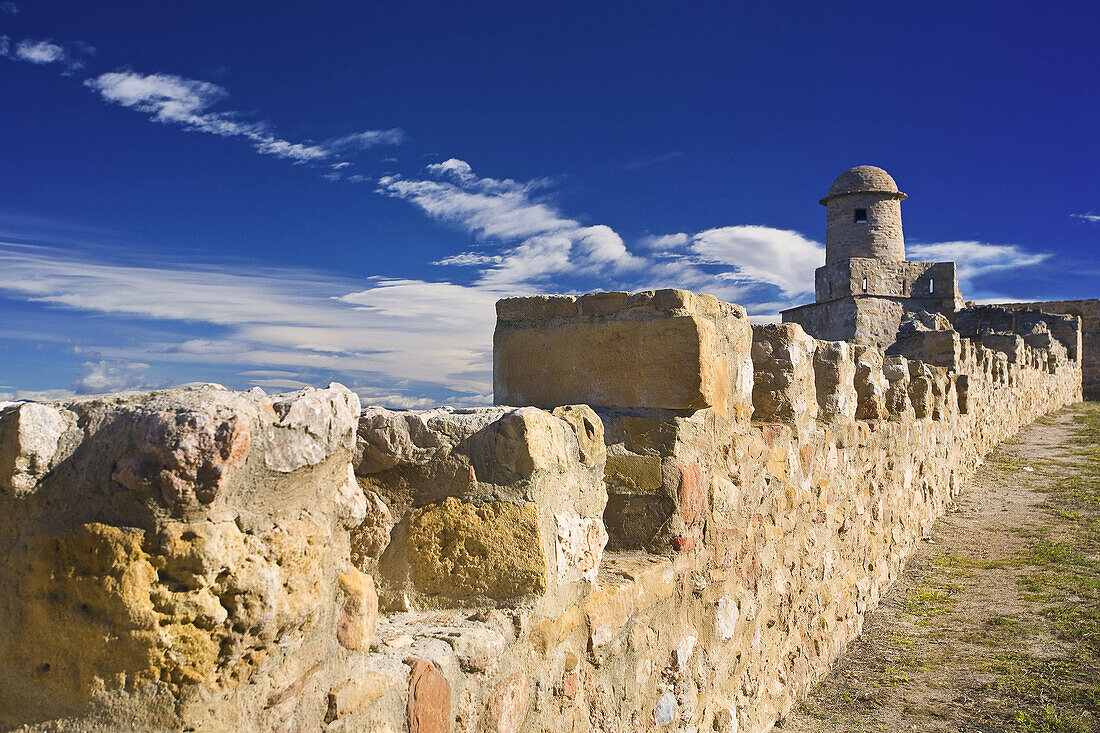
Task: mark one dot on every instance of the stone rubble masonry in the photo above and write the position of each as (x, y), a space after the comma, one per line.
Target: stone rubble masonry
(1089, 333)
(677, 523)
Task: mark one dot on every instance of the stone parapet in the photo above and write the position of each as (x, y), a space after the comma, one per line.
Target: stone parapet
(211, 560)
(666, 349)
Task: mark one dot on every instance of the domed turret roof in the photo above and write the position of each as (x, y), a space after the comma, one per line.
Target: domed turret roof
(863, 179)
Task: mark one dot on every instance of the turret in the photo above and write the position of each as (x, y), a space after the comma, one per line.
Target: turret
(863, 216)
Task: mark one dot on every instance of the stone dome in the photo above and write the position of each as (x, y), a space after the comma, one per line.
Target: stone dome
(863, 179)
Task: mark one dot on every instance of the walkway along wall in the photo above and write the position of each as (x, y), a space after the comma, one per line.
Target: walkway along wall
(678, 524)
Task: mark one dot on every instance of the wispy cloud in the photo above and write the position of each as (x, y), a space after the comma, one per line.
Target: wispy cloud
(1089, 217)
(640, 163)
(9, 8)
(973, 260)
(98, 377)
(70, 57)
(526, 244)
(176, 100)
(413, 335)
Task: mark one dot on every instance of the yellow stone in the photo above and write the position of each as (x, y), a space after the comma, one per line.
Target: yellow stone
(459, 549)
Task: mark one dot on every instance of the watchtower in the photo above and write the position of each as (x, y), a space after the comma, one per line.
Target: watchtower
(867, 286)
(863, 216)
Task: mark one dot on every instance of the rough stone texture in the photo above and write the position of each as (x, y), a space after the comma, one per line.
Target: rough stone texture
(165, 571)
(1089, 313)
(615, 349)
(508, 506)
(834, 375)
(783, 365)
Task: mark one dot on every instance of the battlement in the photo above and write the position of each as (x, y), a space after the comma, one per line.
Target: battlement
(677, 518)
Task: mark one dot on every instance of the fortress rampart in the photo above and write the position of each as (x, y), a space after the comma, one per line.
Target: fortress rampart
(678, 522)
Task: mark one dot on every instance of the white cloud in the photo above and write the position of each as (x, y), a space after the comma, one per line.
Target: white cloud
(186, 102)
(975, 259)
(35, 395)
(43, 52)
(1089, 217)
(778, 257)
(9, 7)
(112, 376)
(428, 333)
(39, 52)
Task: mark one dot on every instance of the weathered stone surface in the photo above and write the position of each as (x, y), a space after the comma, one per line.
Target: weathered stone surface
(310, 426)
(186, 456)
(458, 549)
(633, 474)
(429, 708)
(589, 430)
(871, 384)
(507, 707)
(666, 349)
(29, 434)
(387, 439)
(834, 378)
(580, 543)
(782, 358)
(359, 612)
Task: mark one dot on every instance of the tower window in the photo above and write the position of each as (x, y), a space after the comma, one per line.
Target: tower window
(861, 216)
(931, 285)
(865, 285)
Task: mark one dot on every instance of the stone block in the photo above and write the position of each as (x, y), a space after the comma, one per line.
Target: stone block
(627, 473)
(458, 550)
(1009, 344)
(784, 389)
(939, 347)
(667, 349)
(870, 383)
(29, 435)
(834, 377)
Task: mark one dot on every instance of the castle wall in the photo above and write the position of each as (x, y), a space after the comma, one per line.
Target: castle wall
(1089, 313)
(635, 563)
(933, 282)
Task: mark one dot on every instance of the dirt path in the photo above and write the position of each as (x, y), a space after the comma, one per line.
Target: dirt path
(995, 622)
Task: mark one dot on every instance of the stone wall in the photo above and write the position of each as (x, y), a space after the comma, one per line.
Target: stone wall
(1089, 313)
(683, 537)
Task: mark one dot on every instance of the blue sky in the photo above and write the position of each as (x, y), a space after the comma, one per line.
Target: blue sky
(278, 196)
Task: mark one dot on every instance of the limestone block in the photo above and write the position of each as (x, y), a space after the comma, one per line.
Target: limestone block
(588, 428)
(359, 612)
(29, 436)
(633, 474)
(580, 544)
(666, 349)
(186, 456)
(784, 389)
(920, 395)
(938, 347)
(896, 371)
(634, 520)
(311, 425)
(458, 550)
(834, 377)
(386, 439)
(871, 384)
(1009, 344)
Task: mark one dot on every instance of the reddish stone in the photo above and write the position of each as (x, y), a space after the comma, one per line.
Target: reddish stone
(683, 544)
(821, 517)
(429, 709)
(569, 684)
(508, 705)
(693, 497)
